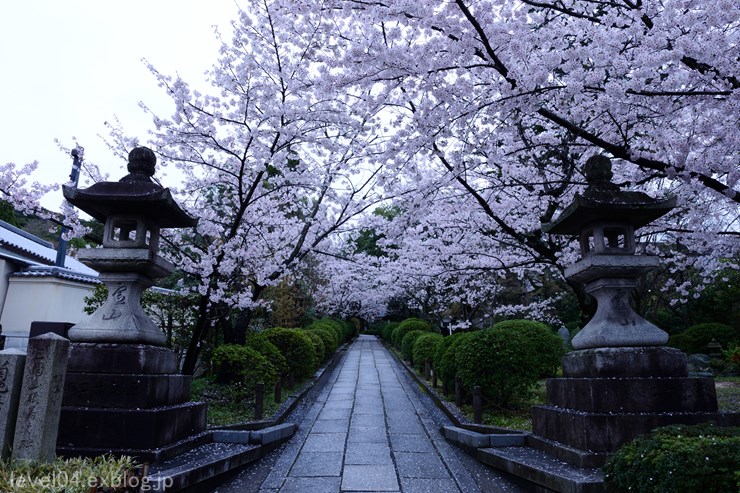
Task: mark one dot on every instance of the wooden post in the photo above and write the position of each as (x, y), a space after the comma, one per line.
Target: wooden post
(279, 391)
(259, 401)
(477, 405)
(291, 380)
(434, 377)
(427, 370)
(458, 392)
(445, 388)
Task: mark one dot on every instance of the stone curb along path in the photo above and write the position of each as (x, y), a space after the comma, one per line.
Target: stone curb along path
(370, 429)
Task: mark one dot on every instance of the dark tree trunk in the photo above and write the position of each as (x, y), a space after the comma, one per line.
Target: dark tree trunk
(200, 332)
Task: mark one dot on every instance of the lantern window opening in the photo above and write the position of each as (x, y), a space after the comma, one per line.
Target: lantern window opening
(124, 230)
(130, 232)
(619, 238)
(614, 238)
(587, 242)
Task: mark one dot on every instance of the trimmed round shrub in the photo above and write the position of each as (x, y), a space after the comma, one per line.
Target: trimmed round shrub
(349, 329)
(260, 343)
(388, 330)
(444, 358)
(332, 325)
(424, 349)
(329, 338)
(296, 348)
(704, 333)
(682, 341)
(318, 345)
(407, 344)
(547, 346)
(407, 326)
(394, 335)
(228, 361)
(236, 363)
(315, 326)
(678, 458)
(500, 361)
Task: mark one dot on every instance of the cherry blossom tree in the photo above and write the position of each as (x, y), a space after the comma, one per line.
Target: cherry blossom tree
(475, 116)
(16, 190)
(25, 196)
(272, 166)
(500, 103)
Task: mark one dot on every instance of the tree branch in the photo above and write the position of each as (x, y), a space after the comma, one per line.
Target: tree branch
(623, 153)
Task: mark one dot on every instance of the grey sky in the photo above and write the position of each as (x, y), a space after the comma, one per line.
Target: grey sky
(69, 66)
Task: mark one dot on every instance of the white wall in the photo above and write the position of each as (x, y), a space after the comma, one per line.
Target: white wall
(40, 298)
(6, 268)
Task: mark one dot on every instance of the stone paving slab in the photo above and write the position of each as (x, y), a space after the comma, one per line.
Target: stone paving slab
(312, 485)
(420, 485)
(420, 465)
(325, 442)
(369, 478)
(317, 464)
(363, 420)
(367, 434)
(335, 413)
(369, 430)
(330, 425)
(410, 443)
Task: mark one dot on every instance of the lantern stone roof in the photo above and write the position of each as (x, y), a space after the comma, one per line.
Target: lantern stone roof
(135, 195)
(603, 201)
(634, 208)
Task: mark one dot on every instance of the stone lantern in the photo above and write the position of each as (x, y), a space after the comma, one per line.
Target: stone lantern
(620, 381)
(123, 393)
(605, 219)
(133, 210)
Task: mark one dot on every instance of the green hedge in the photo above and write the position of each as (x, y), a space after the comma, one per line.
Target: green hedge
(703, 458)
(682, 341)
(425, 347)
(318, 345)
(702, 334)
(333, 325)
(260, 343)
(405, 327)
(296, 348)
(445, 356)
(388, 331)
(236, 363)
(407, 344)
(349, 329)
(507, 360)
(329, 339)
(547, 346)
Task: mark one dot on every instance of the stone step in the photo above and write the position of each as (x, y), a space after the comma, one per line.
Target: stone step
(141, 455)
(573, 456)
(543, 469)
(138, 428)
(200, 464)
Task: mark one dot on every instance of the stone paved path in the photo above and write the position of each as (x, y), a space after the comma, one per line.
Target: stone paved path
(369, 430)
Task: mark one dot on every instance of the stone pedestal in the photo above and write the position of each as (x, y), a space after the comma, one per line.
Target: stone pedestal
(128, 399)
(609, 396)
(121, 318)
